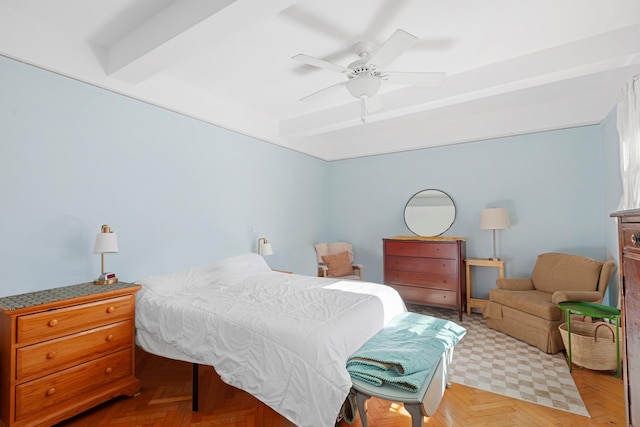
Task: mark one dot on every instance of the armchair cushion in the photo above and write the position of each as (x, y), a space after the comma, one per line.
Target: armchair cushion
(515, 284)
(536, 303)
(339, 265)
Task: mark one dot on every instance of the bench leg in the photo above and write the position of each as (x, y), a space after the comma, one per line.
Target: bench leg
(194, 388)
(361, 398)
(417, 419)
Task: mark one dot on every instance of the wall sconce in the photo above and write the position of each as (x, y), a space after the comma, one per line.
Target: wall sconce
(264, 247)
(494, 219)
(106, 242)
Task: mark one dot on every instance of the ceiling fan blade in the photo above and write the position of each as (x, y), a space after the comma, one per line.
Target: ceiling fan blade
(399, 42)
(431, 79)
(304, 17)
(385, 16)
(322, 92)
(320, 63)
(373, 103)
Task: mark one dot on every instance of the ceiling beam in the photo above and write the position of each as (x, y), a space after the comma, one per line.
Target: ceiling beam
(183, 30)
(608, 51)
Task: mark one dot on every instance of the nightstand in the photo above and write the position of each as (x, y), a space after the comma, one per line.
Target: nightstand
(65, 350)
(469, 262)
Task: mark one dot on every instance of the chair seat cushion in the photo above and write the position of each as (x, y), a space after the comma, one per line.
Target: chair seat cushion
(536, 303)
(339, 265)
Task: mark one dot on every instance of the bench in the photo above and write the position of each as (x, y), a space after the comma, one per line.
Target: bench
(420, 403)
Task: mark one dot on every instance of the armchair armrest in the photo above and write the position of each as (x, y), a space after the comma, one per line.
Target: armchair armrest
(359, 268)
(584, 296)
(515, 283)
(323, 269)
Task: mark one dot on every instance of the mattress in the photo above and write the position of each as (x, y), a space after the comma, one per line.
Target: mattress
(284, 338)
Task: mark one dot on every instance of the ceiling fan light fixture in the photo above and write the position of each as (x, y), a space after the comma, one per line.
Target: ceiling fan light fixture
(363, 85)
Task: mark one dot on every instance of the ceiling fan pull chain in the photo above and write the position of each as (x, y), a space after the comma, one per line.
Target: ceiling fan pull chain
(362, 109)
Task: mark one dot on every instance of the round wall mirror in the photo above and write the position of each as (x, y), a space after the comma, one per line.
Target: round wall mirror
(429, 213)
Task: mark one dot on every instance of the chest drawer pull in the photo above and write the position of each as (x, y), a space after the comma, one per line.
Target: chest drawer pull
(635, 238)
(51, 355)
(51, 391)
(111, 309)
(110, 337)
(108, 370)
(53, 322)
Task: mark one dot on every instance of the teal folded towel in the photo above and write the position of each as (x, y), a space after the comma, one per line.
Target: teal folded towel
(405, 351)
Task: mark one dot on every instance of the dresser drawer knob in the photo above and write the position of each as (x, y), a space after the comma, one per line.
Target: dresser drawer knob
(51, 355)
(53, 322)
(111, 309)
(108, 370)
(110, 337)
(635, 239)
(51, 391)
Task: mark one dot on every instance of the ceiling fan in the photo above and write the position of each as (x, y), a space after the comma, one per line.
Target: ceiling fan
(365, 75)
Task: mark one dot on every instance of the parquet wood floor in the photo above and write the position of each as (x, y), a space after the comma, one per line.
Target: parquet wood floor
(165, 401)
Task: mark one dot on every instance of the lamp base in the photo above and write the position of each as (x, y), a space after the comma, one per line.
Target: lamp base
(106, 279)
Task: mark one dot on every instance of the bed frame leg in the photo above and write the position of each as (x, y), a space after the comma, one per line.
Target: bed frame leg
(194, 388)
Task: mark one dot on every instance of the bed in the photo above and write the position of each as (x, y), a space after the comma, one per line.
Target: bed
(284, 338)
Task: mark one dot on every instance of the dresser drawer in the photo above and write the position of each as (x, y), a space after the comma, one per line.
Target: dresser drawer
(402, 248)
(422, 249)
(414, 294)
(38, 396)
(631, 233)
(64, 321)
(434, 281)
(40, 359)
(447, 267)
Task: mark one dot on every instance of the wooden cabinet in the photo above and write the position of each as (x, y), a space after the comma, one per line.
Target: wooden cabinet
(427, 270)
(65, 350)
(629, 245)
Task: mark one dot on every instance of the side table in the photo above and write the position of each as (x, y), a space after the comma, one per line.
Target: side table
(590, 309)
(477, 302)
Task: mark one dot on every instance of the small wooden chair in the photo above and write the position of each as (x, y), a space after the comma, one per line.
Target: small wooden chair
(336, 260)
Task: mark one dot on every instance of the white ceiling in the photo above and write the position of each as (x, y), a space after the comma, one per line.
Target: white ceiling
(512, 66)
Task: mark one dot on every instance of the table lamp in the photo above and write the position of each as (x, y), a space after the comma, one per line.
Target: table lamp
(106, 242)
(494, 219)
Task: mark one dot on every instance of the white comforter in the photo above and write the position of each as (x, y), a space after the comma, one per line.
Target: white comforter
(284, 338)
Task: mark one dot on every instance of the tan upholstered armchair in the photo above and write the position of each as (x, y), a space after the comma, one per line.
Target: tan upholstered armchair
(527, 308)
(336, 260)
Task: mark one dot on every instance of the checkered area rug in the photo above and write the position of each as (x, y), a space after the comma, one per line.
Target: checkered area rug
(492, 361)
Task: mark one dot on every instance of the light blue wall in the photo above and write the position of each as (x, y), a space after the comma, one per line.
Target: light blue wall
(180, 192)
(612, 194)
(177, 191)
(551, 182)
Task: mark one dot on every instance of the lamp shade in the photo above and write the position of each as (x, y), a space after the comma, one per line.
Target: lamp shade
(106, 243)
(264, 247)
(267, 249)
(494, 219)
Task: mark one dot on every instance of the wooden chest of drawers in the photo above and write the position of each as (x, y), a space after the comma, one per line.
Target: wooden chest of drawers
(65, 350)
(629, 247)
(428, 271)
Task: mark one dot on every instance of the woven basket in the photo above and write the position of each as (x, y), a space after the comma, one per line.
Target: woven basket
(593, 345)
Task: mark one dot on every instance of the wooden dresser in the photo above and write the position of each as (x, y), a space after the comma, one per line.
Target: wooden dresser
(65, 350)
(427, 270)
(629, 246)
